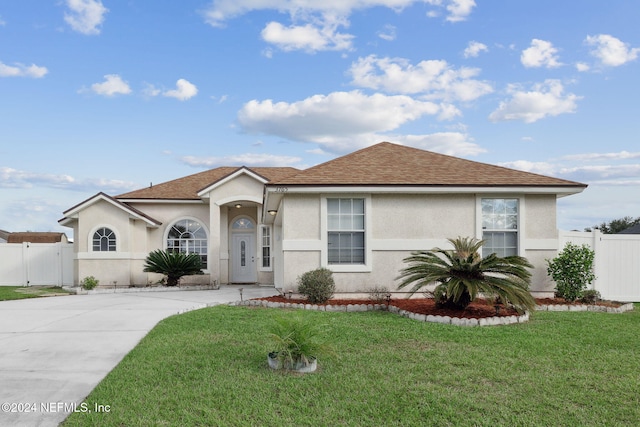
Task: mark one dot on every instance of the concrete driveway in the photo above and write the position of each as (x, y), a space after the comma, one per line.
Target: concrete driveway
(54, 351)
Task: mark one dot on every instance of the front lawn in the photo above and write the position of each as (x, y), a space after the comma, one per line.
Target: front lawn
(209, 367)
(21, 292)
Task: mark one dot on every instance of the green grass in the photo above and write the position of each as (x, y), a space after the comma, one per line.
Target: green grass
(208, 367)
(20, 292)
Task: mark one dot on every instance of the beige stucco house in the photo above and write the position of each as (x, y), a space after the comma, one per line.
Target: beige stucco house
(358, 215)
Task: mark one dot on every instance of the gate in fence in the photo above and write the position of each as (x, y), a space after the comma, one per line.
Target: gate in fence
(32, 264)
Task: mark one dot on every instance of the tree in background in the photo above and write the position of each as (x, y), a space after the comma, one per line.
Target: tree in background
(616, 225)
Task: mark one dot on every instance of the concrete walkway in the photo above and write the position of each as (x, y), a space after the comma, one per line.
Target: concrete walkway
(54, 351)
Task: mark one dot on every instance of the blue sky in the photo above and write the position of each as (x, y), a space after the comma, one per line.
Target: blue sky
(112, 95)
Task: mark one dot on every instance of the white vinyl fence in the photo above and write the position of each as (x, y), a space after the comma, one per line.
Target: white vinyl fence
(617, 262)
(32, 264)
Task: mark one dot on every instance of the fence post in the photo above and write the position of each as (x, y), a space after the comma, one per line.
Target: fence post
(597, 262)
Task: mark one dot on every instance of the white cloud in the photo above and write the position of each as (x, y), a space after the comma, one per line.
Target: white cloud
(20, 70)
(221, 11)
(545, 99)
(151, 90)
(2, 22)
(339, 113)
(388, 33)
(344, 121)
(247, 159)
(314, 24)
(621, 155)
(184, 90)
(435, 79)
(614, 171)
(474, 48)
(311, 37)
(113, 85)
(450, 143)
(543, 168)
(85, 16)
(540, 54)
(459, 10)
(18, 179)
(582, 67)
(611, 51)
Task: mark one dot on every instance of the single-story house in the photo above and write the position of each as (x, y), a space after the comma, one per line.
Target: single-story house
(359, 215)
(37, 237)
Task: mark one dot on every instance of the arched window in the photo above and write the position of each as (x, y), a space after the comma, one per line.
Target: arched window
(188, 236)
(104, 240)
(242, 224)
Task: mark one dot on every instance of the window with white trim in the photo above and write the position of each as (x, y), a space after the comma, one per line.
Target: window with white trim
(266, 246)
(104, 240)
(188, 236)
(345, 227)
(500, 227)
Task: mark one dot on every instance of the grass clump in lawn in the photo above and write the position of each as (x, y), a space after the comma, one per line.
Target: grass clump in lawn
(22, 292)
(208, 367)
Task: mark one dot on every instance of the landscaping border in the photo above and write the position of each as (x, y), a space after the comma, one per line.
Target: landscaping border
(585, 307)
(446, 320)
(486, 321)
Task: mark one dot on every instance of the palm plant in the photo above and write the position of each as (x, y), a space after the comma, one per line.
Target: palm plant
(172, 264)
(461, 274)
(296, 342)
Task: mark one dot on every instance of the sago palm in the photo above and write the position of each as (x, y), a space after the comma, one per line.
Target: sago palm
(174, 265)
(461, 274)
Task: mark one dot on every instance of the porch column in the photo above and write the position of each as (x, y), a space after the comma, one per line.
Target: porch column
(214, 243)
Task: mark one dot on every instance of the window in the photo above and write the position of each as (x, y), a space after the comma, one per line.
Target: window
(242, 224)
(500, 227)
(188, 236)
(104, 240)
(345, 226)
(266, 247)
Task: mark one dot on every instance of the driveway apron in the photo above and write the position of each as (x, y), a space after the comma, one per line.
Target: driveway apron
(54, 351)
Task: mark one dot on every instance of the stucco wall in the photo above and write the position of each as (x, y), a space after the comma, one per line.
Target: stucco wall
(401, 223)
(431, 216)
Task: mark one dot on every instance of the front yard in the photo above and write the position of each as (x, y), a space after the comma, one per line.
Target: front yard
(20, 292)
(209, 367)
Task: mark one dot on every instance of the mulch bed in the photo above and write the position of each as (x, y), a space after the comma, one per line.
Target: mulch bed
(476, 310)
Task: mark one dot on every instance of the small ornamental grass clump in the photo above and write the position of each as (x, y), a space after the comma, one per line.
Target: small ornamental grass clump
(572, 270)
(317, 285)
(296, 342)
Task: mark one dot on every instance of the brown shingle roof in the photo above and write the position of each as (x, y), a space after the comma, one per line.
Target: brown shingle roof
(187, 188)
(36, 237)
(391, 164)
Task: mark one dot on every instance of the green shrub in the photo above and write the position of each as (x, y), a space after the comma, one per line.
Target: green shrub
(317, 285)
(590, 296)
(379, 294)
(572, 270)
(89, 283)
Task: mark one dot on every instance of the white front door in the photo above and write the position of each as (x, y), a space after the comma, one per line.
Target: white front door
(243, 258)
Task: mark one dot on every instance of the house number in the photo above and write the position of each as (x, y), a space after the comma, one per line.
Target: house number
(282, 189)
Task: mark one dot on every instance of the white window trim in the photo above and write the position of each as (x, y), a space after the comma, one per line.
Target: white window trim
(93, 231)
(324, 238)
(204, 227)
(521, 226)
(260, 265)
